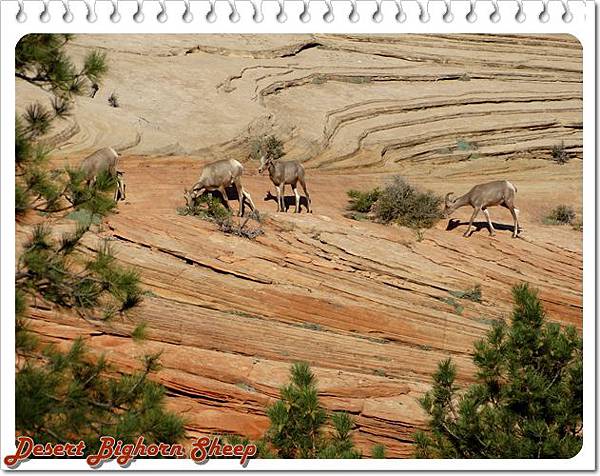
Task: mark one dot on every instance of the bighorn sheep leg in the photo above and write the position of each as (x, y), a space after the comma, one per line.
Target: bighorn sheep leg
(225, 198)
(475, 212)
(303, 183)
(243, 196)
(297, 194)
(489, 220)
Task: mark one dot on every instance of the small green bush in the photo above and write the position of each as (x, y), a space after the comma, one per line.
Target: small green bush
(362, 201)
(560, 154)
(208, 208)
(561, 215)
(269, 146)
(402, 203)
(473, 294)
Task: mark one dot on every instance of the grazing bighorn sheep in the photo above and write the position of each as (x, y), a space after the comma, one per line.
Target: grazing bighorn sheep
(480, 197)
(284, 173)
(104, 160)
(218, 176)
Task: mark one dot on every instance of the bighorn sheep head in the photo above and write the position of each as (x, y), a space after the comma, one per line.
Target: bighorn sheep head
(448, 204)
(264, 163)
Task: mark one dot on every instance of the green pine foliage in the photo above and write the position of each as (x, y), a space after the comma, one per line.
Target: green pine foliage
(528, 399)
(298, 420)
(301, 428)
(69, 396)
(41, 59)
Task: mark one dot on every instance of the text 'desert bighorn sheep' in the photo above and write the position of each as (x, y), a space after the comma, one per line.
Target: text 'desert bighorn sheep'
(104, 160)
(218, 176)
(283, 173)
(480, 197)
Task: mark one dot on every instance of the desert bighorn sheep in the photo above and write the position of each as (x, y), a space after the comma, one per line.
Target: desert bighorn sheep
(104, 160)
(218, 176)
(284, 173)
(480, 197)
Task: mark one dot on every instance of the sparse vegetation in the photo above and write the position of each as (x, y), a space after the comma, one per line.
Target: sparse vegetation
(402, 203)
(363, 201)
(528, 398)
(113, 100)
(465, 145)
(210, 208)
(268, 146)
(473, 294)
(561, 215)
(378, 452)
(399, 202)
(140, 332)
(560, 154)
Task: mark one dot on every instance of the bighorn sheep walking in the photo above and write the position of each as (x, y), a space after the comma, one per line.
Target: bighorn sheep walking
(104, 160)
(480, 197)
(284, 173)
(218, 176)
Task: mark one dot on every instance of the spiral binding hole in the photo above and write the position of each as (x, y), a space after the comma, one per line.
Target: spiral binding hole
(234, 16)
(305, 15)
(91, 16)
(162, 15)
(21, 15)
(377, 15)
(187, 14)
(520, 15)
(45, 15)
(281, 16)
(115, 16)
(67, 16)
(567, 16)
(257, 16)
(424, 16)
(401, 14)
(472, 16)
(448, 15)
(328, 15)
(354, 16)
(139, 14)
(544, 16)
(211, 16)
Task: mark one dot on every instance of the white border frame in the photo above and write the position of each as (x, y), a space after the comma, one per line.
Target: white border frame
(582, 27)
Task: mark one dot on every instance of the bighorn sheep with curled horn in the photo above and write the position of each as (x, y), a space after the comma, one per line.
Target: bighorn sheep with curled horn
(283, 173)
(480, 197)
(103, 160)
(218, 176)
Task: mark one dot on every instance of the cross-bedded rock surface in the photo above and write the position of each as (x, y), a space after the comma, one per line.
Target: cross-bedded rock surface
(372, 308)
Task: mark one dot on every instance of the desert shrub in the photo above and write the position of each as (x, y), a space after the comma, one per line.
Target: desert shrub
(269, 146)
(473, 294)
(362, 201)
(231, 226)
(207, 207)
(560, 154)
(212, 209)
(402, 203)
(465, 145)
(113, 100)
(561, 215)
